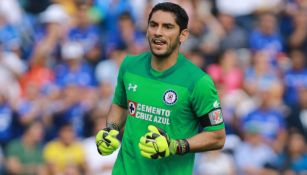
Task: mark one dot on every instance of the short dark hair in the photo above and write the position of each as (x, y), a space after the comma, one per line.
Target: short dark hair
(182, 18)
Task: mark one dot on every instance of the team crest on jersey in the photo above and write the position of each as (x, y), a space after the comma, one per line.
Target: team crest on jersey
(170, 97)
(132, 107)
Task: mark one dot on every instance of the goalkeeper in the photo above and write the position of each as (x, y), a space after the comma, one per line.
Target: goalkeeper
(168, 107)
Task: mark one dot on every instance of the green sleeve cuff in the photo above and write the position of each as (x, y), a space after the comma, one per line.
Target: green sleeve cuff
(215, 128)
(119, 104)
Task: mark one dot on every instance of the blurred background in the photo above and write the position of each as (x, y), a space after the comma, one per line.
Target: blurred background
(59, 61)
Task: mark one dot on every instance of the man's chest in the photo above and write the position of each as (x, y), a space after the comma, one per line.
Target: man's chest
(155, 100)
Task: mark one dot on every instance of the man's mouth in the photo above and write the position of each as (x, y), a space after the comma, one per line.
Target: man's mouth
(158, 42)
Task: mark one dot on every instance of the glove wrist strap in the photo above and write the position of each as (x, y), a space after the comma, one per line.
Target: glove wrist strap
(183, 147)
(113, 126)
(179, 147)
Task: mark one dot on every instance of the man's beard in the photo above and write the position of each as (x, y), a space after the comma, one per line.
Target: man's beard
(168, 52)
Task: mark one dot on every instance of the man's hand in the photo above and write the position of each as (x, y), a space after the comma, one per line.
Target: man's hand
(156, 144)
(106, 141)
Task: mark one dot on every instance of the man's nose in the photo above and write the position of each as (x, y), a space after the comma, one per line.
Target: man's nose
(158, 31)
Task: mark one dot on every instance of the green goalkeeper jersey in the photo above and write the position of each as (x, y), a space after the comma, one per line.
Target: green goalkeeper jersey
(174, 100)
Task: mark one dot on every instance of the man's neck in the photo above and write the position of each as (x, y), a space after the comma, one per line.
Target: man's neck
(28, 142)
(161, 64)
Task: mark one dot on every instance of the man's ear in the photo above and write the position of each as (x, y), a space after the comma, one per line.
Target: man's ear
(184, 34)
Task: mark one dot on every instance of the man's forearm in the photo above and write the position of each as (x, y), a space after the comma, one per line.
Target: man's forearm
(117, 116)
(206, 141)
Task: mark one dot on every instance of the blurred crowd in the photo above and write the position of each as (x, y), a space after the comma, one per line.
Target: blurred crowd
(59, 61)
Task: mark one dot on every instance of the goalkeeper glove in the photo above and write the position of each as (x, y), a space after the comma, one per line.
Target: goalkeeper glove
(156, 144)
(106, 140)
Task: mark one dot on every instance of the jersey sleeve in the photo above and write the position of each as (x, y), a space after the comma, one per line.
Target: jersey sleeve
(12, 149)
(120, 97)
(206, 104)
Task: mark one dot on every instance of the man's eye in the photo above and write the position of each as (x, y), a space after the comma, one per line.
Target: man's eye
(168, 27)
(152, 25)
